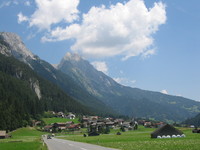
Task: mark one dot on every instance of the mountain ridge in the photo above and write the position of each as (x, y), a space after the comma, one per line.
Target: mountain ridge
(47, 71)
(78, 78)
(125, 99)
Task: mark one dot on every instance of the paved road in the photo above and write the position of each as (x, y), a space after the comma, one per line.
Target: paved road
(60, 144)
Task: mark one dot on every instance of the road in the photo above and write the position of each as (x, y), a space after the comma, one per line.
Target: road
(60, 144)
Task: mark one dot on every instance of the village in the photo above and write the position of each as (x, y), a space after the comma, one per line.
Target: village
(96, 125)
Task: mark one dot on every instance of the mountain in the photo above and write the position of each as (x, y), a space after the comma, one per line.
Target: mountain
(16, 48)
(133, 102)
(100, 93)
(25, 95)
(193, 121)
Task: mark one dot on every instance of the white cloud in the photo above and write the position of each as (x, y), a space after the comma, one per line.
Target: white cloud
(125, 81)
(122, 29)
(148, 53)
(100, 66)
(8, 3)
(51, 12)
(21, 18)
(27, 3)
(164, 92)
(5, 4)
(60, 34)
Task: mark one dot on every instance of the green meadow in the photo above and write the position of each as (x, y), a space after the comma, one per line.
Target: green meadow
(140, 140)
(55, 119)
(30, 139)
(23, 139)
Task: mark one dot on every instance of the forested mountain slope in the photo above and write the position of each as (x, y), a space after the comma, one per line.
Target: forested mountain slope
(12, 45)
(25, 95)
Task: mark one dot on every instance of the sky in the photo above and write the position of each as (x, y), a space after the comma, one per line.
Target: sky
(147, 44)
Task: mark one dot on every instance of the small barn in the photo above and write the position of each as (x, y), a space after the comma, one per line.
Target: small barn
(3, 135)
(166, 131)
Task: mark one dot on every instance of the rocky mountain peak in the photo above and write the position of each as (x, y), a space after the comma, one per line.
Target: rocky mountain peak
(16, 46)
(72, 57)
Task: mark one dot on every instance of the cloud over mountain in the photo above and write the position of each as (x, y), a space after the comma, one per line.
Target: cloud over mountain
(122, 29)
(101, 66)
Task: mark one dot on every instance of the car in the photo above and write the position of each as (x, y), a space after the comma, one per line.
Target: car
(48, 136)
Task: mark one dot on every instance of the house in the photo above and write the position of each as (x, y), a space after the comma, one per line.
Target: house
(147, 124)
(126, 124)
(48, 128)
(94, 118)
(110, 124)
(3, 135)
(141, 122)
(69, 123)
(36, 123)
(59, 124)
(118, 122)
(74, 127)
(100, 124)
(167, 131)
(60, 114)
(71, 116)
(159, 124)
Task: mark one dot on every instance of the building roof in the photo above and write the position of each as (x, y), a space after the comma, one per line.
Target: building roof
(48, 126)
(166, 130)
(60, 123)
(73, 126)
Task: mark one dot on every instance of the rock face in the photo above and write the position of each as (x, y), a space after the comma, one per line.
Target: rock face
(36, 87)
(16, 46)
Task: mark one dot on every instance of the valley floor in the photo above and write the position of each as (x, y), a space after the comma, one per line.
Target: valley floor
(30, 139)
(140, 140)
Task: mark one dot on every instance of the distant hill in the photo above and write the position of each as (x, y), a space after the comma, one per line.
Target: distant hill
(25, 95)
(133, 102)
(193, 121)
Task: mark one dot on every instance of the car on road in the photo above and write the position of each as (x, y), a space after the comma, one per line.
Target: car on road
(48, 136)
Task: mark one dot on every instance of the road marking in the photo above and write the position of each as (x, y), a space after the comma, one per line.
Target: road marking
(83, 149)
(71, 145)
(63, 142)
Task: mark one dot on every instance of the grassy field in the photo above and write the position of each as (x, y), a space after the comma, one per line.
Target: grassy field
(23, 139)
(140, 140)
(54, 120)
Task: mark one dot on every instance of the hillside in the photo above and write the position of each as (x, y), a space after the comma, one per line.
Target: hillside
(25, 95)
(133, 102)
(16, 48)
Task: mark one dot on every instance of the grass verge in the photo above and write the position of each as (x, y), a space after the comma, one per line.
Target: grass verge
(23, 139)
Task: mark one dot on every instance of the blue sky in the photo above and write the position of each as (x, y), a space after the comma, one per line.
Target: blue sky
(150, 44)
